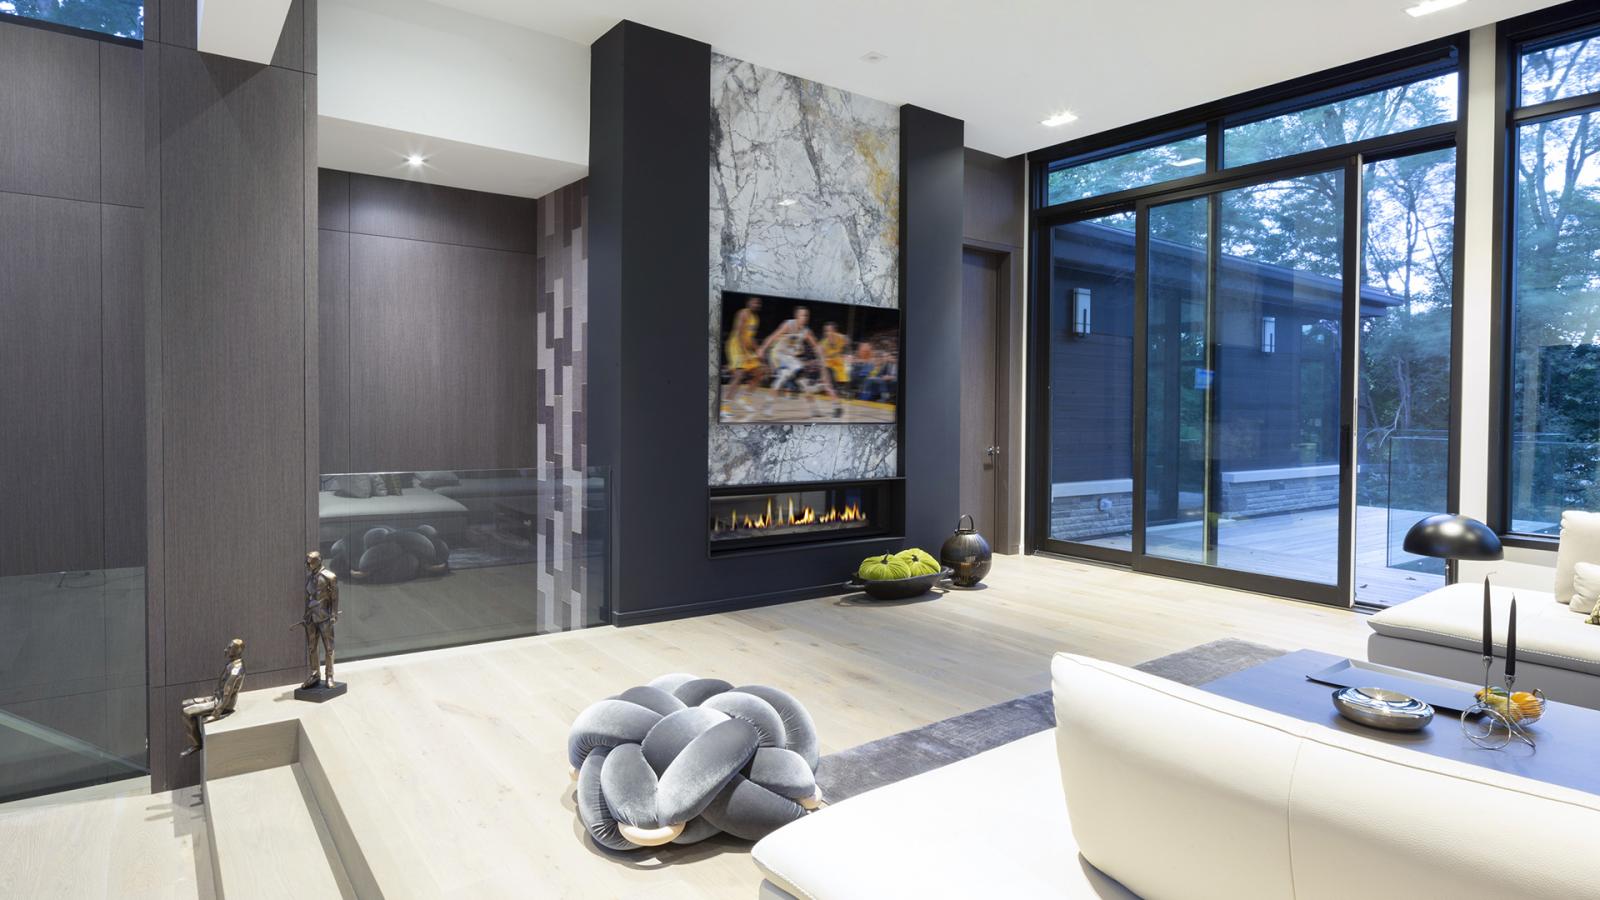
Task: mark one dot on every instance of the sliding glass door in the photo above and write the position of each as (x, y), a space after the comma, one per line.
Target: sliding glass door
(1244, 297)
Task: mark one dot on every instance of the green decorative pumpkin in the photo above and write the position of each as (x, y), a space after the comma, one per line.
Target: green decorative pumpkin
(883, 568)
(919, 561)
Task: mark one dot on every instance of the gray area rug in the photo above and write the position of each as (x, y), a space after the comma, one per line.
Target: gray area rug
(899, 756)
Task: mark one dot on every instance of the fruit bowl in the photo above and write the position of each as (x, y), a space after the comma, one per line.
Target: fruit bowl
(899, 588)
(1525, 707)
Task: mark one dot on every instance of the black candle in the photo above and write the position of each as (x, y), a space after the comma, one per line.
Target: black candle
(1488, 623)
(1511, 641)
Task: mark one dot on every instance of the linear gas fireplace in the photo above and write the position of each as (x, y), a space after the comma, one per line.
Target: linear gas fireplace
(768, 515)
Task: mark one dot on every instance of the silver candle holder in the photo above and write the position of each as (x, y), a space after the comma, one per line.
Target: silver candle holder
(1494, 727)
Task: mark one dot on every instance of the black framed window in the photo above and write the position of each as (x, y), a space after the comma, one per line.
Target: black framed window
(1429, 100)
(1123, 169)
(117, 18)
(1549, 439)
(1243, 322)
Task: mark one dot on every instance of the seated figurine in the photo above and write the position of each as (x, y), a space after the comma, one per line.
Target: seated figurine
(221, 702)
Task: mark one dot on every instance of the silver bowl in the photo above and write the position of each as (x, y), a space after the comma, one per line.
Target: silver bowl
(1380, 708)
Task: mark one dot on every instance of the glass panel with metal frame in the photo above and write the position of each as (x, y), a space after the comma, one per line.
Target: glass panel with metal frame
(1177, 382)
(1416, 104)
(1090, 347)
(1554, 366)
(1067, 181)
(1403, 415)
(1243, 387)
(1570, 68)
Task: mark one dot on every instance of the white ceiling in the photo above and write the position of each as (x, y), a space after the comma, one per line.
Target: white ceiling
(1003, 65)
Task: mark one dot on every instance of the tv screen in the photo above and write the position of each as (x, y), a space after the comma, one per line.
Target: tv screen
(786, 360)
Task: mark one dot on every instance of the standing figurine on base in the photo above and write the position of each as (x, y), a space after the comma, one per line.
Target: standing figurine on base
(209, 709)
(322, 610)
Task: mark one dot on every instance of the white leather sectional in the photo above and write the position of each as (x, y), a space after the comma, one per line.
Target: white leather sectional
(1148, 788)
(1441, 633)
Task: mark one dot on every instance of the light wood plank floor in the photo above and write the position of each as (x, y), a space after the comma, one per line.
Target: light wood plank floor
(451, 764)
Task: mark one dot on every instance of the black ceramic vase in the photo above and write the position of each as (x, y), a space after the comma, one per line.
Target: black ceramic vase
(966, 553)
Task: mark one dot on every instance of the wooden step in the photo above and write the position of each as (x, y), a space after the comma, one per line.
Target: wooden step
(269, 837)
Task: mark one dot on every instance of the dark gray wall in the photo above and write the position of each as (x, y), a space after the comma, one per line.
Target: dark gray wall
(648, 219)
(931, 172)
(71, 449)
(231, 363)
(426, 326)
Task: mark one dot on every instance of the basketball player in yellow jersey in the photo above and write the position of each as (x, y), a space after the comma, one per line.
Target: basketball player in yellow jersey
(744, 362)
(833, 346)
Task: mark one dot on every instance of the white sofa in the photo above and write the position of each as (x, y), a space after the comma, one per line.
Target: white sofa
(1148, 788)
(1441, 633)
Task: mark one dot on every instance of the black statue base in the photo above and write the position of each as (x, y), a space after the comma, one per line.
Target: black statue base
(322, 690)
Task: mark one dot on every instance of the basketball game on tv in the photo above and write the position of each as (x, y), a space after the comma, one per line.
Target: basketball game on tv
(794, 361)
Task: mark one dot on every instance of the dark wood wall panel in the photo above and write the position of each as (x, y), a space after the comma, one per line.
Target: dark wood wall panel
(52, 480)
(993, 198)
(122, 389)
(49, 98)
(333, 200)
(121, 125)
(333, 350)
(407, 209)
(232, 230)
(442, 340)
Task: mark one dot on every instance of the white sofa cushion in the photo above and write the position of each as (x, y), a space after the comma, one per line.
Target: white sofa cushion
(1585, 587)
(992, 825)
(1374, 820)
(1452, 616)
(1170, 791)
(1580, 542)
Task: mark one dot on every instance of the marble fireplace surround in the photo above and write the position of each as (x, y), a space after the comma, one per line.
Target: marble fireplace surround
(805, 203)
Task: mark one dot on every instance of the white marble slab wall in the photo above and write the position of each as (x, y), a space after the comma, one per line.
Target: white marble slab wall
(805, 202)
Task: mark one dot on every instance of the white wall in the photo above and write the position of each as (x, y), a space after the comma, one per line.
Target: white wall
(400, 76)
(1521, 567)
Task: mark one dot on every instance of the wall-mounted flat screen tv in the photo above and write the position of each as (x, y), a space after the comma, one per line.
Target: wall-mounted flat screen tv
(788, 361)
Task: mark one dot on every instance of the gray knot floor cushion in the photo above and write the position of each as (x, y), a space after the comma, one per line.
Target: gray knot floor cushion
(684, 758)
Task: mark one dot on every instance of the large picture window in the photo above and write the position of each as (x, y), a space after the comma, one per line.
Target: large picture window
(1242, 332)
(1552, 457)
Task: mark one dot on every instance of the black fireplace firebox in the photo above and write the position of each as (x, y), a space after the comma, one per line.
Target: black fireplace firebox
(750, 516)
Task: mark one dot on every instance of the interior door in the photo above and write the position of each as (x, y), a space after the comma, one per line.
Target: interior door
(980, 433)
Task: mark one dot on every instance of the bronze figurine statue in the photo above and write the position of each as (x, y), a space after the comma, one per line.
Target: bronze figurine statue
(322, 610)
(221, 702)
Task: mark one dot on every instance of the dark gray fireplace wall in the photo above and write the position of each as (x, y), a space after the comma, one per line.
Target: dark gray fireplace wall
(649, 217)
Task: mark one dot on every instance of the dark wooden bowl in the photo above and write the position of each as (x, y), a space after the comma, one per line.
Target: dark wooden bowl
(899, 588)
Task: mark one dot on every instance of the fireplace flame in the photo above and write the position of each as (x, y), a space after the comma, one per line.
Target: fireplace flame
(789, 514)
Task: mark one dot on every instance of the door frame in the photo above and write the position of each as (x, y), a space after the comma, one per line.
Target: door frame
(1010, 377)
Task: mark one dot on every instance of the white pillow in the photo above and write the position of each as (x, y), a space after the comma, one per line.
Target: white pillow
(1586, 587)
(1580, 542)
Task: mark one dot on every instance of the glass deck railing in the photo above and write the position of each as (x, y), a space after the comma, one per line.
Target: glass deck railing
(436, 558)
(72, 680)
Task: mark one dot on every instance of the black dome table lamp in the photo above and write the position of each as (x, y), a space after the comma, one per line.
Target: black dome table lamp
(1451, 538)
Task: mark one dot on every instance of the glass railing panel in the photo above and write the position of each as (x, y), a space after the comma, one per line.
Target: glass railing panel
(442, 557)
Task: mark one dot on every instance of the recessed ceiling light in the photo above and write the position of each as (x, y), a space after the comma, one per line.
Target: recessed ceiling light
(1060, 118)
(873, 56)
(1432, 6)
(415, 160)
(1191, 161)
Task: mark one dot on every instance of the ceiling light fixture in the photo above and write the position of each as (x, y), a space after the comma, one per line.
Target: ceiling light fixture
(1060, 118)
(1191, 161)
(1432, 6)
(873, 56)
(415, 160)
